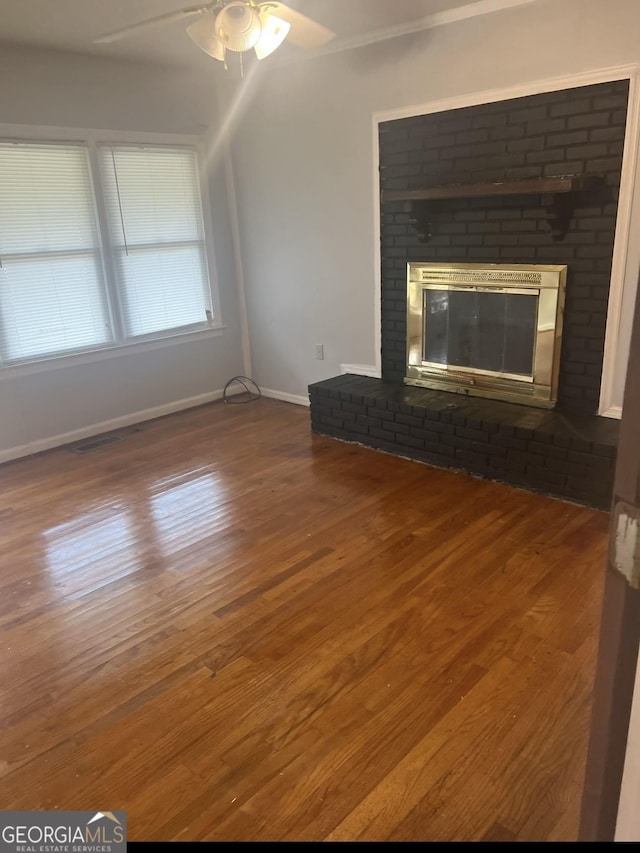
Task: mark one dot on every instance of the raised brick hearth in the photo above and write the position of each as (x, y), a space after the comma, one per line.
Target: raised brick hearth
(570, 455)
(568, 452)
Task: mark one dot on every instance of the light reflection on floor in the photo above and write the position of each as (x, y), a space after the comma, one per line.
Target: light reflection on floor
(186, 511)
(102, 539)
(118, 539)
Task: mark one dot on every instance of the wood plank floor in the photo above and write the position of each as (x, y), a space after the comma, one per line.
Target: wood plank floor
(234, 630)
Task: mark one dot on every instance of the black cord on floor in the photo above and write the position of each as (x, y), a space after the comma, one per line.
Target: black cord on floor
(247, 396)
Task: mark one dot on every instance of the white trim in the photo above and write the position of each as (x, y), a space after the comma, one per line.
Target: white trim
(377, 267)
(104, 354)
(209, 234)
(621, 244)
(372, 370)
(621, 276)
(614, 411)
(108, 426)
(285, 397)
(519, 90)
(53, 133)
(234, 225)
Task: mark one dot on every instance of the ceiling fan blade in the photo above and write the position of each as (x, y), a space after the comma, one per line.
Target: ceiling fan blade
(150, 22)
(304, 32)
(203, 33)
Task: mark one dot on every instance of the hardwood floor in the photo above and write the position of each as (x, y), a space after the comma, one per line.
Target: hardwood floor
(234, 630)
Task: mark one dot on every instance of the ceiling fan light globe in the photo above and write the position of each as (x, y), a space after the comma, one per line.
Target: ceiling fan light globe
(238, 26)
(274, 32)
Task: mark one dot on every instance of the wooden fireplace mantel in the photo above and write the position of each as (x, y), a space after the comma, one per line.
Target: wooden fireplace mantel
(559, 198)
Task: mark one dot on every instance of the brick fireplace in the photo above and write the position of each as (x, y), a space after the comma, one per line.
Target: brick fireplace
(438, 175)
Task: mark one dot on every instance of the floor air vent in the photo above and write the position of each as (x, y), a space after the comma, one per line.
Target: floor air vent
(89, 446)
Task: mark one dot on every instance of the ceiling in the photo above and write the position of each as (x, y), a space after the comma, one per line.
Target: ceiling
(72, 25)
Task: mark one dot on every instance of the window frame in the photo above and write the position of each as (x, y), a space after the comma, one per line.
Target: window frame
(120, 343)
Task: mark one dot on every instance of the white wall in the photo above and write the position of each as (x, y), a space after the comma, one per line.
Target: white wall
(304, 159)
(70, 90)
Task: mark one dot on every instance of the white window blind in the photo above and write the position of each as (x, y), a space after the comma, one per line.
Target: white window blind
(154, 215)
(52, 292)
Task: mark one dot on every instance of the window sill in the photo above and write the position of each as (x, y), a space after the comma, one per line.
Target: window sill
(60, 362)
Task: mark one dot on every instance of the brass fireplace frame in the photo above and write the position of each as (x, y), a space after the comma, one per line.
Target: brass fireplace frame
(546, 281)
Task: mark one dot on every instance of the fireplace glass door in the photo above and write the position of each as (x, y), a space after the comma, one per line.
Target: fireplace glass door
(492, 330)
(482, 330)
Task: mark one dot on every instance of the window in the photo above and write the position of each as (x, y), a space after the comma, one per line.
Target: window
(52, 291)
(156, 235)
(67, 287)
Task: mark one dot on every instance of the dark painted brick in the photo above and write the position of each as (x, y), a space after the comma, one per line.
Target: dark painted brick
(327, 420)
(605, 164)
(549, 125)
(587, 152)
(529, 114)
(409, 420)
(469, 215)
(496, 451)
(475, 135)
(409, 441)
(572, 137)
(515, 131)
(518, 456)
(425, 435)
(473, 422)
(518, 173)
(566, 167)
(520, 226)
(529, 143)
(455, 125)
(363, 421)
(504, 213)
(587, 250)
(549, 155)
(396, 427)
(610, 102)
(492, 120)
(523, 432)
(383, 434)
(471, 456)
(607, 134)
(438, 140)
(455, 441)
(547, 450)
(597, 119)
(440, 427)
(473, 434)
(565, 467)
(543, 477)
(452, 228)
(483, 227)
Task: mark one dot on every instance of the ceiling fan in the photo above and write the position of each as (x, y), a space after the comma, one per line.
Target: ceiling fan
(239, 26)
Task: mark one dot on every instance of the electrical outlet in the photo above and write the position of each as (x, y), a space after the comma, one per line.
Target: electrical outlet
(320, 352)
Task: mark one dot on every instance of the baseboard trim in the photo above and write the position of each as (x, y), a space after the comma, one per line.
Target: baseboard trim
(41, 444)
(612, 412)
(296, 399)
(362, 370)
